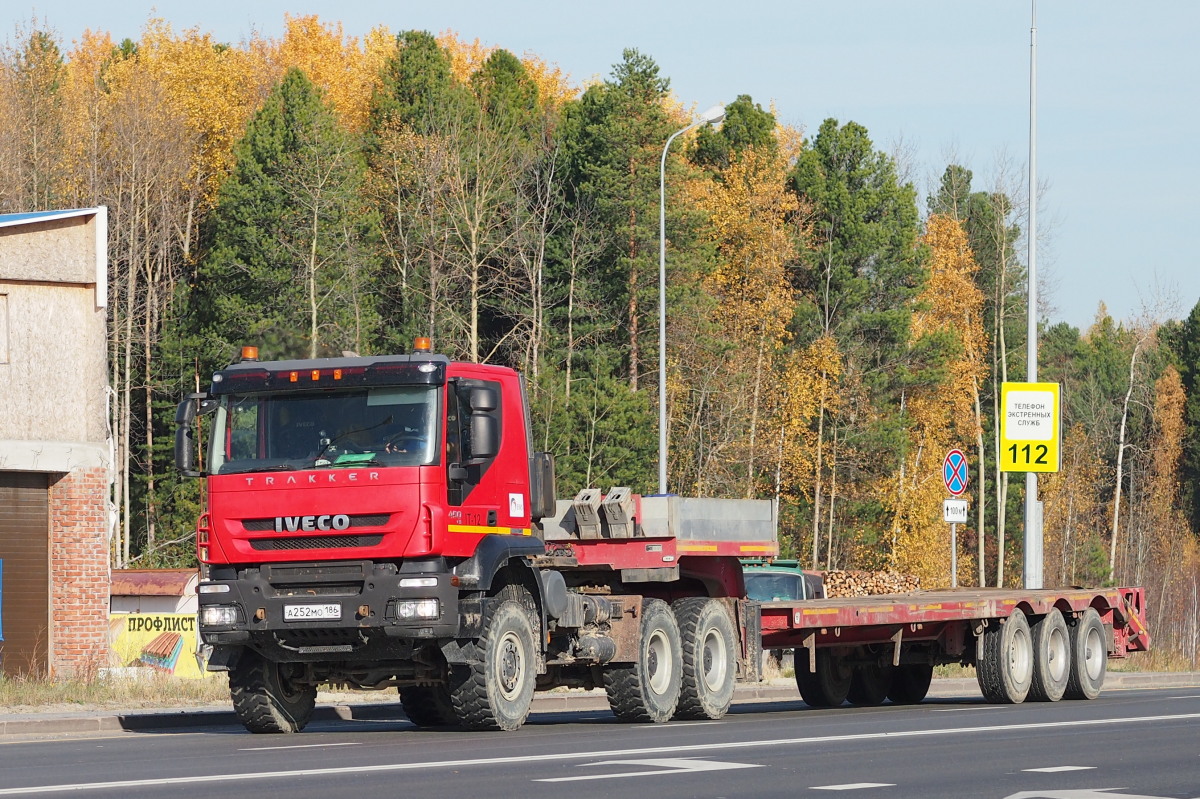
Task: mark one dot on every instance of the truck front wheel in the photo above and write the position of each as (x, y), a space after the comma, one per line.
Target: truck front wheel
(829, 685)
(870, 684)
(648, 691)
(1005, 671)
(910, 683)
(428, 705)
(495, 690)
(266, 696)
(709, 659)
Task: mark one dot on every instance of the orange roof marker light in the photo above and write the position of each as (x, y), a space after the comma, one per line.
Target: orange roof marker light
(422, 344)
(249, 353)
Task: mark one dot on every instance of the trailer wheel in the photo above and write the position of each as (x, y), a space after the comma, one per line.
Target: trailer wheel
(910, 683)
(829, 685)
(1006, 669)
(648, 690)
(709, 658)
(495, 690)
(266, 697)
(1089, 657)
(428, 705)
(1051, 658)
(869, 685)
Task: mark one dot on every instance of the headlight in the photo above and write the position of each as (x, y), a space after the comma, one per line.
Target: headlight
(212, 588)
(219, 615)
(417, 609)
(418, 582)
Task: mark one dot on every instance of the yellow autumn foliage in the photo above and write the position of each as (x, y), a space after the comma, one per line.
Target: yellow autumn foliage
(940, 417)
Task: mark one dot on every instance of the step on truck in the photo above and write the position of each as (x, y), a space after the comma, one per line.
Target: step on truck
(384, 523)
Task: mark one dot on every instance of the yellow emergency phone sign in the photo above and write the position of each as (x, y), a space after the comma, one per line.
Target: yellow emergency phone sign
(1030, 428)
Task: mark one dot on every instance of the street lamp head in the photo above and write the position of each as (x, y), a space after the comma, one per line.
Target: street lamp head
(713, 115)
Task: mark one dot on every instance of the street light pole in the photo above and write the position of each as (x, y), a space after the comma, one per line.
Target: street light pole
(712, 116)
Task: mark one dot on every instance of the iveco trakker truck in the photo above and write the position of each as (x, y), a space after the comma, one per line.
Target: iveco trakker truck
(384, 522)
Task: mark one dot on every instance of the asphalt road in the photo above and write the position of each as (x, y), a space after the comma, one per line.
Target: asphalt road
(1135, 743)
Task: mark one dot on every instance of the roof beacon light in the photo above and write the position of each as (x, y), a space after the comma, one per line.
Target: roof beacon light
(422, 344)
(249, 353)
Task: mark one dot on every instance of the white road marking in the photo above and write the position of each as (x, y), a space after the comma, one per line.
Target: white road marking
(705, 748)
(298, 746)
(664, 766)
(1081, 793)
(1057, 769)
(853, 786)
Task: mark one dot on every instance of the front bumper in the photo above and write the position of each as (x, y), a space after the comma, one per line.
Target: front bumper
(369, 609)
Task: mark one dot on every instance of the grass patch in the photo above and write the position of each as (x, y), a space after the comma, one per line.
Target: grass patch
(147, 689)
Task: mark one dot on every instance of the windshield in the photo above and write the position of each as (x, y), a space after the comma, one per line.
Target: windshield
(770, 586)
(392, 426)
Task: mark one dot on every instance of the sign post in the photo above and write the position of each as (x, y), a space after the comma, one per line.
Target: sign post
(954, 511)
(1030, 441)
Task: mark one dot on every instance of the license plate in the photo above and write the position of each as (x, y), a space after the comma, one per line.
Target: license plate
(312, 612)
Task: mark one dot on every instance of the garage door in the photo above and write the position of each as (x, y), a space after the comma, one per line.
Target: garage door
(25, 583)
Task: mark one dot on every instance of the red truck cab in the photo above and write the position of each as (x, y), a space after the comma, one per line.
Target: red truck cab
(350, 500)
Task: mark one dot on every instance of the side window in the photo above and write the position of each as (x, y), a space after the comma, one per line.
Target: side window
(243, 430)
(466, 462)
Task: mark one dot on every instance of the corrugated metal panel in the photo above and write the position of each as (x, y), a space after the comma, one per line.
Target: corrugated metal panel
(25, 548)
(151, 582)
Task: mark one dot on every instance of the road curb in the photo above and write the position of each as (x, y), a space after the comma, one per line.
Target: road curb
(779, 690)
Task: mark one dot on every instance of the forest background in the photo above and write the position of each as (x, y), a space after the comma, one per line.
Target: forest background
(830, 334)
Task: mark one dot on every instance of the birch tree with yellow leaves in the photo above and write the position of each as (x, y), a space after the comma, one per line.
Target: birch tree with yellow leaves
(941, 414)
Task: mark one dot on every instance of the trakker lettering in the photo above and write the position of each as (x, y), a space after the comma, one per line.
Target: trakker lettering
(308, 524)
(335, 478)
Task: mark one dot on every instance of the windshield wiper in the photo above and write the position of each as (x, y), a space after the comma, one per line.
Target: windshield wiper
(274, 467)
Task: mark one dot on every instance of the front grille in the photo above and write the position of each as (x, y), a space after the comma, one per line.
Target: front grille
(363, 520)
(315, 542)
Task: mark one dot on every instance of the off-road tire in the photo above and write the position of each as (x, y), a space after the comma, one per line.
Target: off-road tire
(1089, 656)
(829, 685)
(1005, 672)
(1051, 658)
(910, 683)
(494, 691)
(869, 685)
(428, 705)
(265, 698)
(709, 658)
(648, 691)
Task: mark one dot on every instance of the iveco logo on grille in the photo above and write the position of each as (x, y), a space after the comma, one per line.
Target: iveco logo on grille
(293, 524)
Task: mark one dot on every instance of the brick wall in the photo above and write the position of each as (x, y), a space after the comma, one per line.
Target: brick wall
(79, 573)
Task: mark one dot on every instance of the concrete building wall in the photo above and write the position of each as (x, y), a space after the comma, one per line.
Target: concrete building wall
(53, 384)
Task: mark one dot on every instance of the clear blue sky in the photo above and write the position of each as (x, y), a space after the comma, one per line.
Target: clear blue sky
(938, 80)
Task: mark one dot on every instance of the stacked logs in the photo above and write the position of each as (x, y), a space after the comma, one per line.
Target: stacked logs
(861, 583)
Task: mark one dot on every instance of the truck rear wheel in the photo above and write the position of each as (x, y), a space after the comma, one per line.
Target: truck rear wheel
(266, 697)
(869, 685)
(1005, 671)
(910, 683)
(428, 705)
(495, 690)
(1051, 658)
(829, 685)
(648, 691)
(1089, 657)
(709, 659)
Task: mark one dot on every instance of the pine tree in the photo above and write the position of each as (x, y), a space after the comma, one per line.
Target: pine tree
(287, 265)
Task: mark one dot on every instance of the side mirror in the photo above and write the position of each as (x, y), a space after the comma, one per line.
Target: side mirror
(185, 434)
(485, 437)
